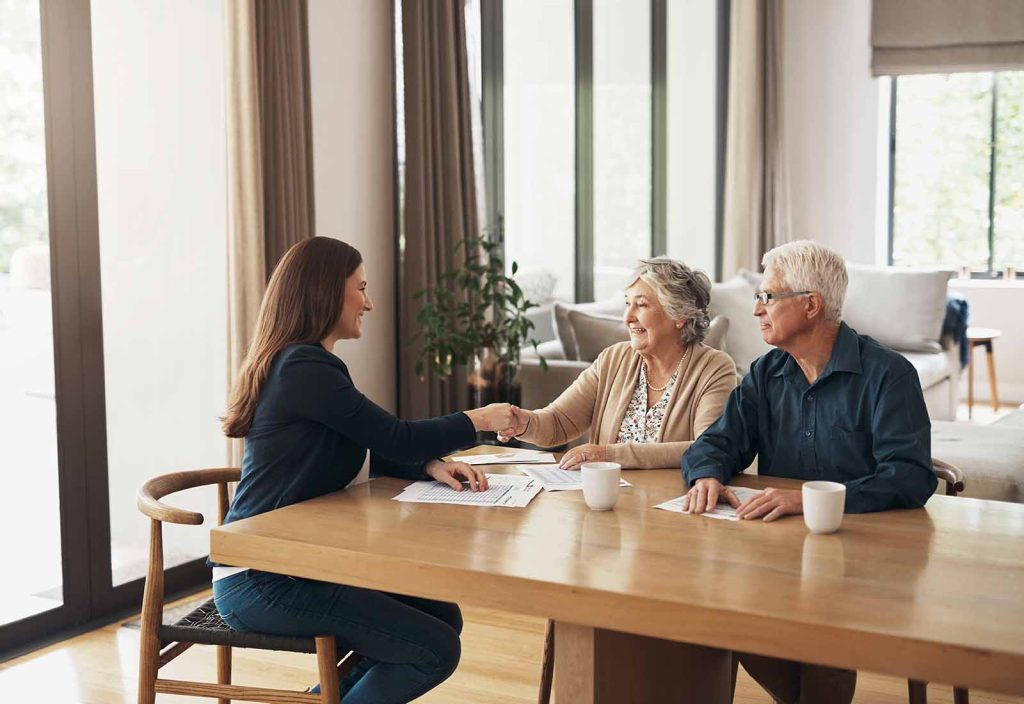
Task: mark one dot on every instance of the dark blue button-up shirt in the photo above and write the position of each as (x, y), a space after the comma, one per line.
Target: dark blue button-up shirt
(863, 422)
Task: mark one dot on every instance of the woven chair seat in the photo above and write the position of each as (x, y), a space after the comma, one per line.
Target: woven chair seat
(203, 625)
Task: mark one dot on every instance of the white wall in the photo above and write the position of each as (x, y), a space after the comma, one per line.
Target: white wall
(830, 114)
(692, 115)
(160, 158)
(350, 64)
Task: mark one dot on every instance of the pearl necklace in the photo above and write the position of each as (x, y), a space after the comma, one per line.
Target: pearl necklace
(679, 366)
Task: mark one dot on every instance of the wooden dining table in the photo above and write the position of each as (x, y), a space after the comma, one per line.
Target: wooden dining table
(933, 594)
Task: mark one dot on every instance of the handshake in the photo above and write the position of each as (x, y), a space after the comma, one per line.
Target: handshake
(507, 420)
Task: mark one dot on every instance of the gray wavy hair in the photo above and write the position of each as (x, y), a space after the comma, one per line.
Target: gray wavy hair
(684, 293)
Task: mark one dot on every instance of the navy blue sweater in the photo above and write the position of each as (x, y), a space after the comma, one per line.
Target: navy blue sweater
(312, 429)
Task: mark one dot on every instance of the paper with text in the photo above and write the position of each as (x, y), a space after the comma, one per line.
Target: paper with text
(722, 511)
(510, 456)
(555, 478)
(502, 490)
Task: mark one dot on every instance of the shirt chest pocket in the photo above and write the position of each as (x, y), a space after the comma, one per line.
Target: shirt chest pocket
(850, 453)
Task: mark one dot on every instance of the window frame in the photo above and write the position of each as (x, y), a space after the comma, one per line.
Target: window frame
(990, 272)
(492, 40)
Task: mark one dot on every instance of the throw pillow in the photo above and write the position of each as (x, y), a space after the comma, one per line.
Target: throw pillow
(564, 328)
(734, 299)
(716, 332)
(901, 308)
(593, 333)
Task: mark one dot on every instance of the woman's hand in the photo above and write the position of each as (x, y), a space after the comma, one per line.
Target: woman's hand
(450, 472)
(522, 422)
(583, 453)
(497, 416)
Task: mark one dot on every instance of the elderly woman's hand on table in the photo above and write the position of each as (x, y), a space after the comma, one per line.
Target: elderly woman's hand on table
(575, 457)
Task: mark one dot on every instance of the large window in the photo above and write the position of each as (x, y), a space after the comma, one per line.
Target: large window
(601, 133)
(957, 153)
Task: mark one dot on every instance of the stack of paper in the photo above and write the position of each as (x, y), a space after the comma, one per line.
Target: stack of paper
(555, 478)
(502, 490)
(509, 456)
(723, 510)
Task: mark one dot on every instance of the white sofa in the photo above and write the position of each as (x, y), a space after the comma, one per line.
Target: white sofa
(903, 309)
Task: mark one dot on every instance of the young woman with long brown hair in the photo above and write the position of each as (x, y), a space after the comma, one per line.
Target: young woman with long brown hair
(307, 429)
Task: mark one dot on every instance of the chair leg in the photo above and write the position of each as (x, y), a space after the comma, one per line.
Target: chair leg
(547, 668)
(327, 664)
(149, 659)
(917, 691)
(961, 696)
(223, 668)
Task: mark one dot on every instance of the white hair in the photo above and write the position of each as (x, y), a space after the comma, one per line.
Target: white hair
(808, 266)
(684, 293)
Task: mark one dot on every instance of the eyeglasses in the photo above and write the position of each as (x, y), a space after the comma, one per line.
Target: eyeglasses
(764, 297)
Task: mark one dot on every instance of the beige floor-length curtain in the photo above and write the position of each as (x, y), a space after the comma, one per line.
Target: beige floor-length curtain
(440, 196)
(269, 156)
(282, 47)
(756, 216)
(246, 259)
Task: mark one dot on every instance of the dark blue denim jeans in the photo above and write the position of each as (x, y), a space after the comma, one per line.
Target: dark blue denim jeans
(411, 644)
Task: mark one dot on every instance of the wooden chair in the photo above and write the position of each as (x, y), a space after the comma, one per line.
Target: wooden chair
(161, 643)
(954, 479)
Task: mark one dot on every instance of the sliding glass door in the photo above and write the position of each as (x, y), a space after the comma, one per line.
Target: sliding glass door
(112, 299)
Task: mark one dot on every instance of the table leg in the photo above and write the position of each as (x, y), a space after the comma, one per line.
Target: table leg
(992, 375)
(597, 666)
(970, 379)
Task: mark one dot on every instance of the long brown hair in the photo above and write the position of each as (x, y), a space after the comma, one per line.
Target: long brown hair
(301, 305)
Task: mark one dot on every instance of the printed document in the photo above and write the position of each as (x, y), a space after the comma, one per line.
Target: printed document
(556, 479)
(502, 490)
(513, 455)
(722, 511)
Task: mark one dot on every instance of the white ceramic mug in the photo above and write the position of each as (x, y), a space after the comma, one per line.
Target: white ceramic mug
(823, 506)
(601, 484)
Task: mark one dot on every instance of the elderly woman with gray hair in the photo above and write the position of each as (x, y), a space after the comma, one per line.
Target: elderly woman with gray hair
(646, 400)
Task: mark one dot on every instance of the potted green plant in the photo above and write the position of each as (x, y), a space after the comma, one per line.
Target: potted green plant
(475, 316)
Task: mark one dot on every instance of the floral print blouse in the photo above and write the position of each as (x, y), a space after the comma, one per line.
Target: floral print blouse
(642, 424)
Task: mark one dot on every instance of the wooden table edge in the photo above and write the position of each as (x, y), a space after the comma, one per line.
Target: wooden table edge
(747, 632)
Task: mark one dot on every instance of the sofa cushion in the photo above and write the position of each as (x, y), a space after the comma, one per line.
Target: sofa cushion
(594, 333)
(990, 457)
(717, 331)
(901, 308)
(932, 367)
(734, 299)
(563, 328)
(549, 350)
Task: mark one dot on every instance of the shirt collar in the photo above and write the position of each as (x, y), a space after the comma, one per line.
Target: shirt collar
(845, 356)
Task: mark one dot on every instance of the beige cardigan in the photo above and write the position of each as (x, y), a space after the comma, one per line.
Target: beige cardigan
(600, 396)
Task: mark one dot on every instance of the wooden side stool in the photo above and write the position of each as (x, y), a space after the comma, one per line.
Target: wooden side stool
(982, 337)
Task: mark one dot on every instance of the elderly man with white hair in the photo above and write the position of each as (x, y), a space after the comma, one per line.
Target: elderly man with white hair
(829, 404)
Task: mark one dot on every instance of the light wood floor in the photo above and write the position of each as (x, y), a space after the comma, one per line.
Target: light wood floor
(500, 665)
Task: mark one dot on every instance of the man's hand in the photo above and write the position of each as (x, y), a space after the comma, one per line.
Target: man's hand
(773, 503)
(450, 473)
(520, 422)
(575, 457)
(705, 493)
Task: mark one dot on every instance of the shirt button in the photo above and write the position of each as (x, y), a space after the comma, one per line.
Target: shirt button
(809, 433)
(811, 397)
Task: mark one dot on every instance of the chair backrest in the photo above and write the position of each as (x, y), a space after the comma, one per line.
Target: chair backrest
(148, 499)
(950, 474)
(150, 493)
